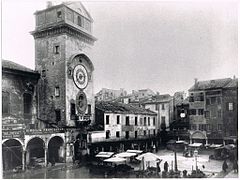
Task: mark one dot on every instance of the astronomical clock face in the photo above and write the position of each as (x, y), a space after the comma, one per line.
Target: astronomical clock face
(80, 76)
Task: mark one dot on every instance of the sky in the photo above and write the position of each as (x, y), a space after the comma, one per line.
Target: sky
(160, 45)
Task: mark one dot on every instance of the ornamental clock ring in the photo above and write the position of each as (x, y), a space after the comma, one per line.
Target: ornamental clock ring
(80, 76)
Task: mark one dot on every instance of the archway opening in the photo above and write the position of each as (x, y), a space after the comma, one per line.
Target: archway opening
(35, 151)
(56, 150)
(198, 137)
(12, 154)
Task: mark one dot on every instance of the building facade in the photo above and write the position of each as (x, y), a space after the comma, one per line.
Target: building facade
(109, 94)
(210, 105)
(24, 137)
(163, 106)
(46, 112)
(123, 127)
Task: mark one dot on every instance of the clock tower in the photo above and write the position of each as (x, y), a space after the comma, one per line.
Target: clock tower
(63, 56)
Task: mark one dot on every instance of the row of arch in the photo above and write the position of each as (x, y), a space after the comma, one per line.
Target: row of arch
(15, 155)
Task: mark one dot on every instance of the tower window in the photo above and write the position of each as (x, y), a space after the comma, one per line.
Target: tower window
(73, 110)
(107, 119)
(118, 134)
(118, 119)
(57, 91)
(58, 115)
(56, 49)
(43, 73)
(59, 14)
(89, 109)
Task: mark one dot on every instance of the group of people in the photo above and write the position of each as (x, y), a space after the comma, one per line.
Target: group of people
(235, 166)
(165, 167)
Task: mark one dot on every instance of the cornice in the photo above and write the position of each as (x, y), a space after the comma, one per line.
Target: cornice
(64, 28)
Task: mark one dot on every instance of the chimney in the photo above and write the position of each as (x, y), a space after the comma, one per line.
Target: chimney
(49, 4)
(195, 82)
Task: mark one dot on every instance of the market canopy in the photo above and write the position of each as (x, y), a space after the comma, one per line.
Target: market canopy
(149, 157)
(134, 151)
(125, 155)
(104, 154)
(195, 145)
(115, 160)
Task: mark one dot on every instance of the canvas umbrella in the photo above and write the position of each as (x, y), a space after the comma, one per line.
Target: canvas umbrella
(115, 160)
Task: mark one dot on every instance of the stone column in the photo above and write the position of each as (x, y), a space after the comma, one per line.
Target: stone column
(45, 156)
(206, 141)
(23, 159)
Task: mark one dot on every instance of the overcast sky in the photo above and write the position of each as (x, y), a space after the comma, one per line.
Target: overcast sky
(158, 45)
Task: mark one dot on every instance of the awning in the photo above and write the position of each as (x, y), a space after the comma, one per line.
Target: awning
(115, 160)
(125, 155)
(104, 154)
(195, 145)
(134, 151)
(149, 157)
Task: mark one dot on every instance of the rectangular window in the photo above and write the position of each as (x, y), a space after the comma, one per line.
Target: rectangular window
(27, 105)
(145, 121)
(219, 127)
(127, 134)
(230, 106)
(208, 127)
(59, 14)
(5, 102)
(58, 115)
(219, 100)
(57, 91)
(89, 109)
(213, 113)
(80, 21)
(156, 107)
(219, 113)
(213, 100)
(207, 101)
(149, 132)
(200, 111)
(144, 132)
(118, 134)
(136, 134)
(127, 120)
(163, 106)
(154, 132)
(107, 119)
(154, 121)
(118, 119)
(207, 114)
(201, 97)
(73, 110)
(107, 134)
(149, 121)
(136, 121)
(56, 49)
(192, 111)
(191, 99)
(193, 127)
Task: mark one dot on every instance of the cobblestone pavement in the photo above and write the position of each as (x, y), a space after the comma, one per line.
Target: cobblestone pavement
(212, 168)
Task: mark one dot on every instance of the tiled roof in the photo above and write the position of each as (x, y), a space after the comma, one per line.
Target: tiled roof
(211, 84)
(14, 66)
(233, 83)
(116, 107)
(158, 99)
(184, 102)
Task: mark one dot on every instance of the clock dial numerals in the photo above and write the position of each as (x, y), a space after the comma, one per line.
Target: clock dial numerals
(80, 76)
